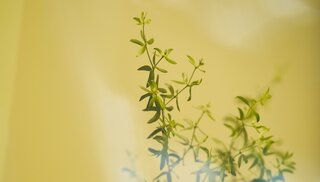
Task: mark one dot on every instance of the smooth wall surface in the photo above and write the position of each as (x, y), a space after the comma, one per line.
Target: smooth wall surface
(69, 87)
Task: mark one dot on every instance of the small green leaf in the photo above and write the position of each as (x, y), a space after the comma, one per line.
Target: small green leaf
(190, 94)
(158, 50)
(232, 168)
(137, 20)
(162, 70)
(257, 116)
(170, 108)
(179, 82)
(241, 114)
(287, 170)
(145, 96)
(154, 132)
(170, 87)
(266, 149)
(145, 68)
(154, 152)
(255, 162)
(145, 89)
(177, 103)
(230, 127)
(137, 42)
(150, 41)
(141, 51)
(191, 60)
(155, 117)
(162, 90)
(168, 51)
(244, 100)
(205, 150)
(159, 139)
(240, 160)
(170, 60)
(259, 180)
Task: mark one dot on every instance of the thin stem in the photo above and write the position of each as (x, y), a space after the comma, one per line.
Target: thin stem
(158, 61)
(186, 86)
(146, 45)
(195, 127)
(246, 149)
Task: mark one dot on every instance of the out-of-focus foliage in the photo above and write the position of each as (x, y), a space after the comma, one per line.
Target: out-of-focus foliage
(251, 147)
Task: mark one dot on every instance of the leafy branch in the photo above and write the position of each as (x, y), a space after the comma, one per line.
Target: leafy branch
(251, 147)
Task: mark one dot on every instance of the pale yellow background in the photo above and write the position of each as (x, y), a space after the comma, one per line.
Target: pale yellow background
(69, 85)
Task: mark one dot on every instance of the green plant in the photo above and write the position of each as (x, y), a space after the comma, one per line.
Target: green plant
(251, 147)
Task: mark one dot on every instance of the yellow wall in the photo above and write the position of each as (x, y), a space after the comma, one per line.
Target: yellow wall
(69, 86)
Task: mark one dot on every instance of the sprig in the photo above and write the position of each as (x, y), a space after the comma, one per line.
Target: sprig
(251, 147)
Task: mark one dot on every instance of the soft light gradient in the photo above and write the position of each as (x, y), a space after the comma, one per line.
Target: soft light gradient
(69, 87)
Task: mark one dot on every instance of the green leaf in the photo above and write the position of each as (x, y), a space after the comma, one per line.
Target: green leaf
(155, 117)
(177, 103)
(141, 51)
(162, 90)
(154, 152)
(145, 68)
(154, 132)
(170, 60)
(205, 150)
(168, 51)
(266, 149)
(259, 180)
(230, 127)
(191, 60)
(190, 89)
(257, 116)
(232, 168)
(145, 89)
(150, 41)
(162, 70)
(244, 100)
(255, 162)
(170, 108)
(240, 160)
(158, 50)
(287, 170)
(170, 87)
(137, 42)
(145, 96)
(137, 20)
(241, 114)
(179, 82)
(159, 139)
(196, 82)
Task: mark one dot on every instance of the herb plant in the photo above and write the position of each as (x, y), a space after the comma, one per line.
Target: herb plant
(251, 153)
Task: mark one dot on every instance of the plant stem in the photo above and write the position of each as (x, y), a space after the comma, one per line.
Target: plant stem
(186, 86)
(195, 127)
(146, 45)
